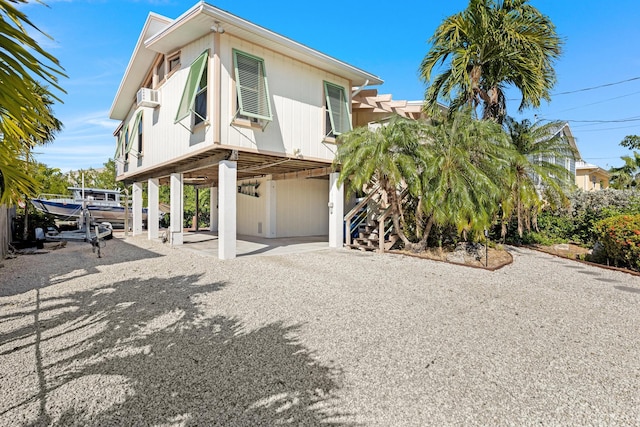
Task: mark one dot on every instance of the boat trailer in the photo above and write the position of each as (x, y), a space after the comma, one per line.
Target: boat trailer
(88, 232)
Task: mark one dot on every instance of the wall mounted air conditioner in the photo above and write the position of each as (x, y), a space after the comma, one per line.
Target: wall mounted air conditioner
(148, 98)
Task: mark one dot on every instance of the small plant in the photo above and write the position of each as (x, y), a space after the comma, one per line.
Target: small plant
(620, 238)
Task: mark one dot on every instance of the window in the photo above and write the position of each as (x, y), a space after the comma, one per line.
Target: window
(121, 145)
(160, 70)
(139, 131)
(173, 62)
(251, 87)
(338, 120)
(126, 145)
(193, 88)
(200, 105)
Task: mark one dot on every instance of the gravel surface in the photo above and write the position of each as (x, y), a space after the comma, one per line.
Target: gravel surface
(149, 335)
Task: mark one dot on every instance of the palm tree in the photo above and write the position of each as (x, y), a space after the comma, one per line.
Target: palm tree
(536, 170)
(490, 45)
(628, 175)
(390, 155)
(464, 173)
(25, 113)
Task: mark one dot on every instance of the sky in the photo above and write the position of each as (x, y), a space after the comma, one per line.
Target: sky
(598, 74)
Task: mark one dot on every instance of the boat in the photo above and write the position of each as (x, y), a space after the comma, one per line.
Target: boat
(103, 205)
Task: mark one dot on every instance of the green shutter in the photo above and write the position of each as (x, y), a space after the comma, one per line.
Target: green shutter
(135, 130)
(251, 86)
(338, 108)
(189, 94)
(121, 142)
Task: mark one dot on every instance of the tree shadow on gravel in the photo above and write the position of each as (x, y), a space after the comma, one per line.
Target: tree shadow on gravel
(77, 258)
(142, 353)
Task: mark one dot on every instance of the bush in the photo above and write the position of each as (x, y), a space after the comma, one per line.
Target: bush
(576, 222)
(620, 238)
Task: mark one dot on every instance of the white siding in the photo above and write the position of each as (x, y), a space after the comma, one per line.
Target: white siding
(302, 208)
(297, 100)
(162, 138)
(251, 211)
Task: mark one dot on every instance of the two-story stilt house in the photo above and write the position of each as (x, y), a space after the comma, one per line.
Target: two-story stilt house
(213, 100)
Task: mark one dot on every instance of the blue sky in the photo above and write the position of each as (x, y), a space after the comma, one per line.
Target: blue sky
(94, 40)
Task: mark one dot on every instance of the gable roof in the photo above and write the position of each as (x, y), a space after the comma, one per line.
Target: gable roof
(164, 35)
(563, 129)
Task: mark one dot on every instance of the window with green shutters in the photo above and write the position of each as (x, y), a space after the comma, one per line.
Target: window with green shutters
(193, 87)
(137, 131)
(251, 86)
(120, 146)
(338, 119)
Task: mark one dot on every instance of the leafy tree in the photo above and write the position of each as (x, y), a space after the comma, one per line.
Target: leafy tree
(537, 149)
(631, 142)
(464, 174)
(489, 46)
(389, 155)
(52, 180)
(627, 175)
(25, 113)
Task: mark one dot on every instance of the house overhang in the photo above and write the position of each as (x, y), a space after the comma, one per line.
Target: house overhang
(162, 35)
(201, 167)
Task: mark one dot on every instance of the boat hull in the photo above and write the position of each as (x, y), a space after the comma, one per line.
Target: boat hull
(71, 211)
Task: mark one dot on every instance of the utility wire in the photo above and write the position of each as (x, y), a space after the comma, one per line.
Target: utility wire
(595, 87)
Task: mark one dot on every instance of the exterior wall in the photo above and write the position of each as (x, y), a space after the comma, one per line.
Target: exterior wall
(164, 140)
(297, 98)
(251, 211)
(296, 91)
(585, 180)
(302, 208)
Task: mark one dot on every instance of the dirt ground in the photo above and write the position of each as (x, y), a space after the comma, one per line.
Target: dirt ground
(497, 258)
(567, 250)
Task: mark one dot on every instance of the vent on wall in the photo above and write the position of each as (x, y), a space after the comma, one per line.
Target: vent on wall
(148, 97)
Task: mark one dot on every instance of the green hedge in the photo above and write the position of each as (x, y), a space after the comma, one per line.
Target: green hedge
(620, 238)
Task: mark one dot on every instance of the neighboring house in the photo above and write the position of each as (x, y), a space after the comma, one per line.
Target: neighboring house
(571, 154)
(212, 100)
(591, 177)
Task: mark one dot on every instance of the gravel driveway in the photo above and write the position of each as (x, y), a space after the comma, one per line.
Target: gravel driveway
(149, 335)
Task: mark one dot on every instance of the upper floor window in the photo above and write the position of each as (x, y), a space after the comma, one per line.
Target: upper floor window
(338, 119)
(138, 129)
(173, 62)
(120, 147)
(200, 104)
(194, 95)
(252, 89)
(160, 70)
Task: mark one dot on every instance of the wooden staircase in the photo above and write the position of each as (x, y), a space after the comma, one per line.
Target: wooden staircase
(369, 226)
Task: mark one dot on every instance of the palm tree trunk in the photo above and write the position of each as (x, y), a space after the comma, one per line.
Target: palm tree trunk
(422, 244)
(419, 218)
(395, 216)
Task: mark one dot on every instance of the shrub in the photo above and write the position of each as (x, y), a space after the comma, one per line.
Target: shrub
(620, 237)
(576, 222)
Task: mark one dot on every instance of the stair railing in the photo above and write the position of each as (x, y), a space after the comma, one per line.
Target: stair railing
(358, 215)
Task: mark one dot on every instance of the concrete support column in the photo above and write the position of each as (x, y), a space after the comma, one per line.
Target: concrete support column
(153, 212)
(227, 194)
(336, 212)
(213, 209)
(177, 209)
(271, 209)
(137, 208)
